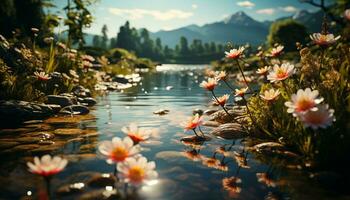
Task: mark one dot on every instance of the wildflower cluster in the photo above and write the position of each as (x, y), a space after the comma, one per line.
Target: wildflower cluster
(131, 166)
(297, 101)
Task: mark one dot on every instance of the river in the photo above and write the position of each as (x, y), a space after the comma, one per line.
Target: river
(175, 88)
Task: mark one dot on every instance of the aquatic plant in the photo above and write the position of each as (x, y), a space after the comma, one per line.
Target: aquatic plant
(138, 134)
(193, 123)
(137, 171)
(47, 165)
(118, 149)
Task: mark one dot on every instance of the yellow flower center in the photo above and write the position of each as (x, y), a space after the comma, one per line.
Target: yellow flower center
(136, 174)
(119, 154)
(304, 104)
(281, 73)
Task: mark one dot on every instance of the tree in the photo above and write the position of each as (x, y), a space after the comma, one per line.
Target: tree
(96, 41)
(147, 45)
(197, 47)
(183, 48)
(287, 33)
(112, 43)
(78, 17)
(207, 48)
(104, 38)
(20, 15)
(213, 47)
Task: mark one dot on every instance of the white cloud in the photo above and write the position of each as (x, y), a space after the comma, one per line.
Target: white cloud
(289, 9)
(247, 4)
(156, 14)
(266, 11)
(194, 6)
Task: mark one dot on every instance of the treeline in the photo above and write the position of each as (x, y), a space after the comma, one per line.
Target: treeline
(140, 42)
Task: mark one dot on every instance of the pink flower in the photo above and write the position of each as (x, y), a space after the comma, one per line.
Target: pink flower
(87, 64)
(241, 92)
(118, 150)
(263, 71)
(42, 76)
(137, 171)
(47, 166)
(138, 134)
(88, 58)
(193, 122)
(347, 14)
(323, 40)
(221, 75)
(270, 95)
(302, 101)
(276, 51)
(210, 84)
(322, 117)
(222, 100)
(280, 73)
(235, 53)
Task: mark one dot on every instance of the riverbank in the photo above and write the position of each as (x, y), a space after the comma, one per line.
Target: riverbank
(39, 82)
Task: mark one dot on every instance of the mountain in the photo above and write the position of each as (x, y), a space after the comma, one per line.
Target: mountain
(237, 28)
(312, 21)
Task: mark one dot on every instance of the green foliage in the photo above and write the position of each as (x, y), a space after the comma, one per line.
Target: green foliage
(144, 46)
(78, 17)
(288, 33)
(21, 16)
(326, 70)
(121, 58)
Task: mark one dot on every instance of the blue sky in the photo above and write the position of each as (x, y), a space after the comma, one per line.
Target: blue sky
(169, 14)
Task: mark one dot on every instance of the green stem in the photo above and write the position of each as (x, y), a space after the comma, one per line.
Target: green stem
(248, 110)
(287, 88)
(48, 186)
(228, 85)
(244, 78)
(195, 132)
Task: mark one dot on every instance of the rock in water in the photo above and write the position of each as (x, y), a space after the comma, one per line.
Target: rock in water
(268, 147)
(210, 111)
(161, 112)
(101, 180)
(12, 112)
(197, 111)
(89, 101)
(63, 101)
(229, 131)
(75, 110)
(222, 117)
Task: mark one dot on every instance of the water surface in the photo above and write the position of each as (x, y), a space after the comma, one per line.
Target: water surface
(176, 88)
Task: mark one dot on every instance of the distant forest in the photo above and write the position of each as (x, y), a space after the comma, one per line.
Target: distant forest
(140, 42)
